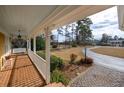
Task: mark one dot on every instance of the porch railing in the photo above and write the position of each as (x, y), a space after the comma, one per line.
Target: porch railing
(19, 50)
(39, 62)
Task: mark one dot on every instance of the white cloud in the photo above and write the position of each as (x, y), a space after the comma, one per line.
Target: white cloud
(106, 22)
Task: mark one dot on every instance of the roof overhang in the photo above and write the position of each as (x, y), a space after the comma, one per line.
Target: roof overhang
(68, 14)
(121, 17)
(33, 20)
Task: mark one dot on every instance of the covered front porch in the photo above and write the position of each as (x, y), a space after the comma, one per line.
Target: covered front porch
(21, 72)
(21, 65)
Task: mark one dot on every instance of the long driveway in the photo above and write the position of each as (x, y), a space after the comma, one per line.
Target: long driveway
(105, 60)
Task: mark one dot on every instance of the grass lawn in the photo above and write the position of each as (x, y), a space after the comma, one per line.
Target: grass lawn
(65, 53)
(116, 52)
(69, 70)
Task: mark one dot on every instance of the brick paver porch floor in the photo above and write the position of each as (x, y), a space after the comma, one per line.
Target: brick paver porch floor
(23, 74)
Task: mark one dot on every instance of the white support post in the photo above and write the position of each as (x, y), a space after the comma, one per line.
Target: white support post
(34, 44)
(47, 35)
(29, 44)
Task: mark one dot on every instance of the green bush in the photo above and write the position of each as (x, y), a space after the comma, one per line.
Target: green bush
(74, 45)
(41, 54)
(58, 76)
(56, 63)
(54, 46)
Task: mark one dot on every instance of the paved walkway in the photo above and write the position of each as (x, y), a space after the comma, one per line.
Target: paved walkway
(107, 61)
(99, 76)
(23, 74)
(107, 71)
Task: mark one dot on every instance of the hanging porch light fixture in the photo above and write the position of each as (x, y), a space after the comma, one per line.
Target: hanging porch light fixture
(19, 36)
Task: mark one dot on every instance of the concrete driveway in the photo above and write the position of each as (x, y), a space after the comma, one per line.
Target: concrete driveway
(105, 60)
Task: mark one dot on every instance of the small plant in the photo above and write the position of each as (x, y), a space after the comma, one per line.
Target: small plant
(89, 60)
(58, 76)
(73, 58)
(56, 63)
(81, 61)
(74, 45)
(54, 46)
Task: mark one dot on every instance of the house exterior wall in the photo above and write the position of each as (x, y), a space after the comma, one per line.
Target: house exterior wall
(116, 43)
(2, 46)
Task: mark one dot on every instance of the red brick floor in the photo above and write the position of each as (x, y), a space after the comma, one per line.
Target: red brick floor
(4, 78)
(23, 74)
(6, 72)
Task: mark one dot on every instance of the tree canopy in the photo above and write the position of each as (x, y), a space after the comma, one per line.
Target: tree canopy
(84, 33)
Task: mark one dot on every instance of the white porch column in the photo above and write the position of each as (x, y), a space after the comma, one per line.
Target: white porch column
(47, 35)
(29, 44)
(34, 44)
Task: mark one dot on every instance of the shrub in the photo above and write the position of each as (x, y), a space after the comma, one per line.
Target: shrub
(73, 58)
(54, 46)
(41, 54)
(58, 76)
(89, 60)
(81, 61)
(56, 63)
(74, 45)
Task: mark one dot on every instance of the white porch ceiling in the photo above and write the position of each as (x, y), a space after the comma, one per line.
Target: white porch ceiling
(31, 20)
(25, 18)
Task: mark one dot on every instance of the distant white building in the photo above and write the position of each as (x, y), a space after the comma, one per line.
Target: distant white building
(116, 41)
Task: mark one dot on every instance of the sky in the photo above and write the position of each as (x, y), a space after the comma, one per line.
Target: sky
(104, 22)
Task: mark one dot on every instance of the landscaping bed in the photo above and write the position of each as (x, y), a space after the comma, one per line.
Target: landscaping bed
(73, 70)
(66, 64)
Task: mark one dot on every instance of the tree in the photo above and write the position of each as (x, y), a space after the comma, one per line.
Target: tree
(83, 31)
(40, 43)
(123, 43)
(53, 41)
(67, 35)
(73, 26)
(116, 37)
(104, 38)
(60, 32)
